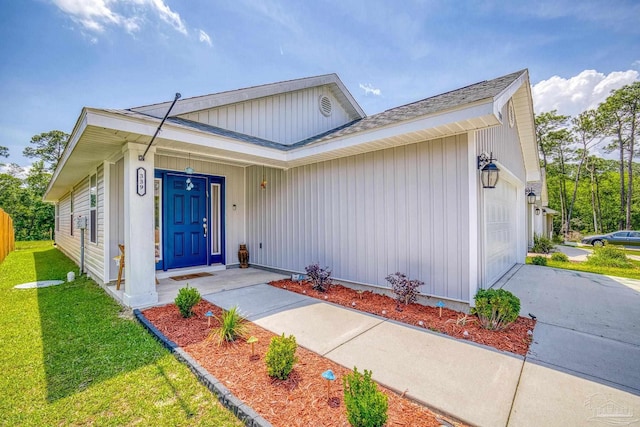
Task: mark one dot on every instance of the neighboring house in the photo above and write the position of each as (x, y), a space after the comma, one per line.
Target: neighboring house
(539, 214)
(297, 172)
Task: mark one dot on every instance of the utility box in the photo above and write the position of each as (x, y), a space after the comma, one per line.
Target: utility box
(81, 222)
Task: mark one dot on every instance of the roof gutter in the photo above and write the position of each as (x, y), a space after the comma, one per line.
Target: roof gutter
(141, 158)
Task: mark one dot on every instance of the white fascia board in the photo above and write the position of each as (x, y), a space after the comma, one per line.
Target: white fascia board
(77, 132)
(503, 97)
(172, 132)
(472, 112)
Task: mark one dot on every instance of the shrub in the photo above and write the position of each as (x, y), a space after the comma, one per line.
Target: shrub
(281, 356)
(366, 405)
(541, 244)
(609, 256)
(559, 256)
(320, 277)
(539, 260)
(406, 290)
(496, 308)
(186, 299)
(232, 326)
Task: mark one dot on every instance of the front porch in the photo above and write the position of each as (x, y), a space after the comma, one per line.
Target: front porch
(219, 280)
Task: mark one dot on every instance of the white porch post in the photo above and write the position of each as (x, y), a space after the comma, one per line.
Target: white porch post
(139, 285)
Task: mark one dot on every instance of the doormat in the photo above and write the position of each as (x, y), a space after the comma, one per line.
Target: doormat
(189, 276)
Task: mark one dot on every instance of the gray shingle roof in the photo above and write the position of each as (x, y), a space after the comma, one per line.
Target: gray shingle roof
(446, 101)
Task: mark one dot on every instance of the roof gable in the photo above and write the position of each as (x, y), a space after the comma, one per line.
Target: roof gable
(199, 103)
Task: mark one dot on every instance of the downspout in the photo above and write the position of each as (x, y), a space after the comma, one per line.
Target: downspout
(141, 158)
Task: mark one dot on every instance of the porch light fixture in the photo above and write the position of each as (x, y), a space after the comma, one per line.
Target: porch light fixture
(531, 196)
(489, 171)
(189, 170)
(537, 211)
(263, 184)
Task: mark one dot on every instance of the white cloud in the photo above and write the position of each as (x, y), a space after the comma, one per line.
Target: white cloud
(96, 15)
(579, 93)
(204, 37)
(636, 63)
(369, 89)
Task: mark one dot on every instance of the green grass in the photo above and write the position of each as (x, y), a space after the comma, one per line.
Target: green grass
(71, 356)
(630, 273)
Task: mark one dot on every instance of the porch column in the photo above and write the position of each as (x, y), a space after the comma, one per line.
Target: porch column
(475, 233)
(139, 285)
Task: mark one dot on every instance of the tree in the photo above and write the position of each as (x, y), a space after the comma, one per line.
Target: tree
(4, 151)
(621, 118)
(586, 129)
(547, 125)
(49, 147)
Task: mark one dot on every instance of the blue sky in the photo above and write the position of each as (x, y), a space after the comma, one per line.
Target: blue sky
(61, 55)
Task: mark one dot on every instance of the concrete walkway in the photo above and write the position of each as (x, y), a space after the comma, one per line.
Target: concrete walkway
(583, 366)
(578, 372)
(443, 373)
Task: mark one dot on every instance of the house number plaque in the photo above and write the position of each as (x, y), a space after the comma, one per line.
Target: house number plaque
(141, 188)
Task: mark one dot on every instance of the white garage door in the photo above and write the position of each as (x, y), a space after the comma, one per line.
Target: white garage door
(501, 243)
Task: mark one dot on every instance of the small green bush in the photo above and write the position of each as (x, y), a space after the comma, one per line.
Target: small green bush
(186, 299)
(366, 405)
(560, 257)
(281, 356)
(232, 326)
(496, 308)
(609, 256)
(539, 260)
(541, 244)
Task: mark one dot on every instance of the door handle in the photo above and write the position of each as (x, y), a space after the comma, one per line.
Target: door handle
(204, 226)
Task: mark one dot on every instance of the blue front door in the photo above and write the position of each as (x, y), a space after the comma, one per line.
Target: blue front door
(186, 221)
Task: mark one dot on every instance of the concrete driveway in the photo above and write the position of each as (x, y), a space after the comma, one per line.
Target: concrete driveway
(584, 364)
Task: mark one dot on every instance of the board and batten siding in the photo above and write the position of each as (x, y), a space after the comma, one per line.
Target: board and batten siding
(286, 118)
(402, 209)
(70, 245)
(503, 141)
(234, 195)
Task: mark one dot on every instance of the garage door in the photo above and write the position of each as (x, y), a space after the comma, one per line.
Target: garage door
(501, 243)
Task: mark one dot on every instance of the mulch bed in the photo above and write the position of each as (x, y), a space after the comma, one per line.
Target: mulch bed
(302, 399)
(515, 339)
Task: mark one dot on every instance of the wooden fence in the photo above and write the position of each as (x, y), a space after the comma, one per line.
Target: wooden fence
(7, 238)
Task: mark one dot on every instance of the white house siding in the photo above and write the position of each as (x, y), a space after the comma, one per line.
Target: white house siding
(285, 118)
(94, 252)
(64, 240)
(234, 194)
(502, 224)
(504, 143)
(366, 216)
(116, 214)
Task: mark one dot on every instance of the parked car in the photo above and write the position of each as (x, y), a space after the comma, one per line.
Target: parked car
(623, 237)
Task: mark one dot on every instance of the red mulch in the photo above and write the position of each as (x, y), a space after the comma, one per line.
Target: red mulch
(301, 400)
(453, 323)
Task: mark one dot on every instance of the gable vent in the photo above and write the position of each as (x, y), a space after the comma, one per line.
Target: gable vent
(325, 105)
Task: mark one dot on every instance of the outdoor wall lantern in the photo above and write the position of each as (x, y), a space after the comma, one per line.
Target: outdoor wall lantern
(489, 172)
(189, 170)
(537, 211)
(531, 196)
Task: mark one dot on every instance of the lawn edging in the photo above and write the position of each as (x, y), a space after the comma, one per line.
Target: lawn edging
(242, 411)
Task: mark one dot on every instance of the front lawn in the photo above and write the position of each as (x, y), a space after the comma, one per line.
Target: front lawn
(71, 356)
(630, 273)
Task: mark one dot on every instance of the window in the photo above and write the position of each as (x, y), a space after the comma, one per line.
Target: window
(71, 215)
(93, 192)
(157, 193)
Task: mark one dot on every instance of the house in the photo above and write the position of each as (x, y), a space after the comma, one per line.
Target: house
(300, 174)
(540, 215)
